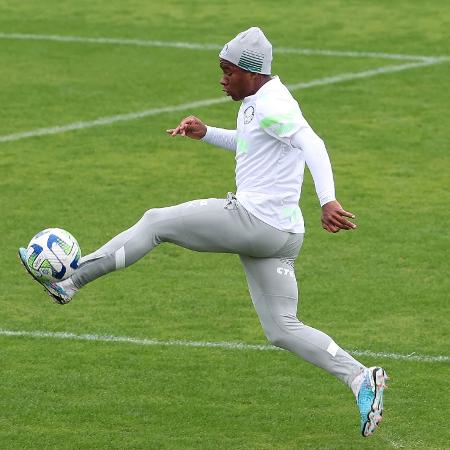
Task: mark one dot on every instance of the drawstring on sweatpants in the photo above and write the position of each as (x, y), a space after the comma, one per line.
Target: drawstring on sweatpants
(231, 198)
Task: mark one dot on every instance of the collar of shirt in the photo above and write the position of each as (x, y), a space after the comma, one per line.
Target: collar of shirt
(266, 86)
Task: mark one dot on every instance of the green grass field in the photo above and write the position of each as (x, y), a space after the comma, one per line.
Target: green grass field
(383, 288)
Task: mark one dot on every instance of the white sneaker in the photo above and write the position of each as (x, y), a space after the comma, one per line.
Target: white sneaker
(370, 399)
(60, 292)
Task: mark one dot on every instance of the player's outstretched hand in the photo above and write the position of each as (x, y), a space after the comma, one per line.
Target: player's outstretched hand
(191, 127)
(334, 217)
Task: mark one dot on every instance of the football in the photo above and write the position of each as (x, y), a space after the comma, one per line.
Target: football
(53, 254)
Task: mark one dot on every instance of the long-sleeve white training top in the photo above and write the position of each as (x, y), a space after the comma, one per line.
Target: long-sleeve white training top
(272, 142)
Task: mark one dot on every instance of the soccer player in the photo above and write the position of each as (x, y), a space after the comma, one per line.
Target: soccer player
(262, 222)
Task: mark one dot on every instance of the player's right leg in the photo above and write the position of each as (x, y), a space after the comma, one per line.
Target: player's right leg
(209, 225)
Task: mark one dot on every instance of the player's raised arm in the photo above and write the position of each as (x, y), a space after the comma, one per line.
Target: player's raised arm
(194, 128)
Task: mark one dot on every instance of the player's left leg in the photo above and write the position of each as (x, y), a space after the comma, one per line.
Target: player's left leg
(273, 288)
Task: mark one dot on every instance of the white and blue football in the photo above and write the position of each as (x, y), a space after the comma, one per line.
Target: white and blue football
(53, 254)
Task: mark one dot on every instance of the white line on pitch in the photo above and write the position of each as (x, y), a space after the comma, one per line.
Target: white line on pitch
(221, 345)
(198, 46)
(364, 74)
(110, 120)
(202, 103)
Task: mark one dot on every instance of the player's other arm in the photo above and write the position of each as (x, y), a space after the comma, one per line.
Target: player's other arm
(194, 128)
(318, 162)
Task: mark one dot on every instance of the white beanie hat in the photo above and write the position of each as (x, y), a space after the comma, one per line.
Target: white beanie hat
(249, 50)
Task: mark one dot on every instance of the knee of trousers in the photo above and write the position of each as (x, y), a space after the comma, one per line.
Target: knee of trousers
(282, 331)
(152, 218)
(152, 215)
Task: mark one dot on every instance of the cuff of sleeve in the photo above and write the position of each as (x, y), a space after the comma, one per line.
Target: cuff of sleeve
(207, 138)
(326, 199)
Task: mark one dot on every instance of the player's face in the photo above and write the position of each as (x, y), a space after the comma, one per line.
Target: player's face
(236, 82)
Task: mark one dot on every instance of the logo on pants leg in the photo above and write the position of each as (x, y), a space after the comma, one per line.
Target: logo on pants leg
(286, 272)
(195, 203)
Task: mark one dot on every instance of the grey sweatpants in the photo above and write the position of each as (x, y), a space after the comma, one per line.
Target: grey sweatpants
(267, 254)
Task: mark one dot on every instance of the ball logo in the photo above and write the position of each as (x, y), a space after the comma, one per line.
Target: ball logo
(249, 113)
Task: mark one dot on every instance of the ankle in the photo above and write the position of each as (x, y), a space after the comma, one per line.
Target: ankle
(355, 385)
(69, 286)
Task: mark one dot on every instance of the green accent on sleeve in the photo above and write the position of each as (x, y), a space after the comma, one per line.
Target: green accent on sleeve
(280, 124)
(242, 146)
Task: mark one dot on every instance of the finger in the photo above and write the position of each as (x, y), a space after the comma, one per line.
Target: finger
(342, 212)
(329, 227)
(346, 223)
(343, 226)
(186, 122)
(178, 130)
(184, 127)
(339, 220)
(334, 224)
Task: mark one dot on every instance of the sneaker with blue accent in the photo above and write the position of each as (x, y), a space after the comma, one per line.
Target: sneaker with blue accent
(370, 399)
(55, 290)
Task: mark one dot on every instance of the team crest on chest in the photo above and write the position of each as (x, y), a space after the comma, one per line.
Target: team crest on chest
(249, 113)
